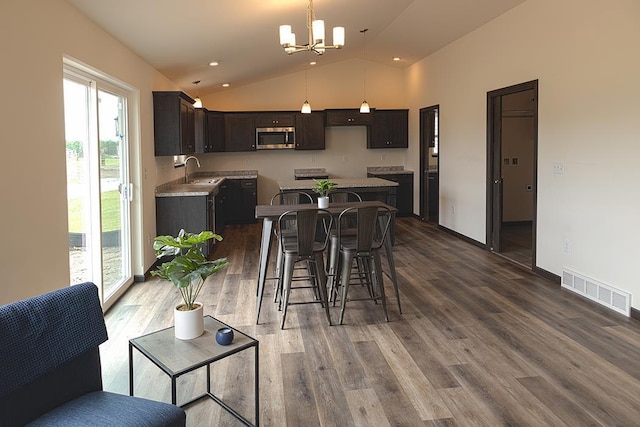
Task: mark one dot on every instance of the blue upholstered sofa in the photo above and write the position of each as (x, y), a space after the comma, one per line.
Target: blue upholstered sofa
(50, 366)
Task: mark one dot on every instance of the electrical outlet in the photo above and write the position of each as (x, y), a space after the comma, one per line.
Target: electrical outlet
(558, 168)
(566, 246)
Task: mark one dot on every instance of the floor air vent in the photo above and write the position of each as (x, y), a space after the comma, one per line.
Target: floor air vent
(610, 297)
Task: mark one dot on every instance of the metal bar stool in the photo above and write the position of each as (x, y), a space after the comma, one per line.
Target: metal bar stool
(281, 198)
(304, 247)
(364, 248)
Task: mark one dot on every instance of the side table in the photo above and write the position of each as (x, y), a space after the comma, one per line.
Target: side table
(177, 357)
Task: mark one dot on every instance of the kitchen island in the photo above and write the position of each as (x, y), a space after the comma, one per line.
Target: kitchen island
(369, 189)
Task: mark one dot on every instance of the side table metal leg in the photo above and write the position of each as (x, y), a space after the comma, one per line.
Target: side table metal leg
(257, 391)
(130, 370)
(173, 390)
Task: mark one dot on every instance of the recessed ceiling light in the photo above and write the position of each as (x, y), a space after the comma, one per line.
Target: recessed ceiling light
(225, 84)
(312, 63)
(396, 59)
(214, 63)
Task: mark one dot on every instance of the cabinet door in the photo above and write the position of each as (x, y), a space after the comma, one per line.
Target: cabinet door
(189, 213)
(200, 120)
(348, 117)
(249, 195)
(187, 127)
(310, 131)
(233, 202)
(239, 132)
(215, 132)
(390, 129)
(269, 119)
(173, 124)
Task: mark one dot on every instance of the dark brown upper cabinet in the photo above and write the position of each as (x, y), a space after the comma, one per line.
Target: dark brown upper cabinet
(348, 117)
(209, 131)
(390, 129)
(173, 123)
(310, 131)
(239, 132)
(274, 119)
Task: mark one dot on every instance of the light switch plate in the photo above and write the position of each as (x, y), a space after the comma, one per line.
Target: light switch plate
(558, 168)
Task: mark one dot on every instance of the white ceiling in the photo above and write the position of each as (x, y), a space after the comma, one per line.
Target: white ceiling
(180, 38)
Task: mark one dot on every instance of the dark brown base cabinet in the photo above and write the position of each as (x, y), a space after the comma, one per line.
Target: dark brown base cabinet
(191, 213)
(173, 123)
(237, 200)
(402, 195)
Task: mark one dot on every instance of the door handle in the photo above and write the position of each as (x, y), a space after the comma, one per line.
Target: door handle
(497, 181)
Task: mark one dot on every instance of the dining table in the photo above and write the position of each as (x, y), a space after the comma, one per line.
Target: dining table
(269, 214)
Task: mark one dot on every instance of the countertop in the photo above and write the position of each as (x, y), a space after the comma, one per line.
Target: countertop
(388, 170)
(309, 173)
(309, 184)
(202, 183)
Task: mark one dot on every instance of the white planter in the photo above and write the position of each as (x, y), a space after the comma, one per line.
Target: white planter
(189, 324)
(323, 202)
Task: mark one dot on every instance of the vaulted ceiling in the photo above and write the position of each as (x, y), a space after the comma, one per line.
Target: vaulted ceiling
(181, 38)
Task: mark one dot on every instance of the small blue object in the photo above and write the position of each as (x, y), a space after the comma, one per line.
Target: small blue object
(224, 336)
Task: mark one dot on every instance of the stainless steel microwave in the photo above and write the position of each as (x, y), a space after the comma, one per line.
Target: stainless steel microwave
(275, 138)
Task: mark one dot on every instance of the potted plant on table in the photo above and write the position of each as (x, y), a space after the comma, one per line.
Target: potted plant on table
(187, 271)
(323, 187)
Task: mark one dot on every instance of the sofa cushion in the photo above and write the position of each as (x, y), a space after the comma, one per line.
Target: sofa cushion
(42, 333)
(103, 408)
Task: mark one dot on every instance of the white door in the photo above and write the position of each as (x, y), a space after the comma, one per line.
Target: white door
(98, 187)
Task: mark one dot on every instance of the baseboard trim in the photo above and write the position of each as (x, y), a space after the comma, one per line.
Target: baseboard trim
(635, 314)
(547, 274)
(463, 237)
(536, 270)
(138, 278)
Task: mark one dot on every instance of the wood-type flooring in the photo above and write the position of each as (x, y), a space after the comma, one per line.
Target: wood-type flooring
(480, 342)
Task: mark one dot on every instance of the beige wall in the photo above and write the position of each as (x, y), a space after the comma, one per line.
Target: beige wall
(581, 51)
(332, 86)
(34, 37)
(583, 54)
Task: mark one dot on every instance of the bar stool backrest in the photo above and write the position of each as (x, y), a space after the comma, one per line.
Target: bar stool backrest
(305, 222)
(369, 235)
(344, 197)
(291, 198)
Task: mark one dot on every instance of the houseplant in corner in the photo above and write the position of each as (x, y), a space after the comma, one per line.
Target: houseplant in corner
(323, 187)
(187, 271)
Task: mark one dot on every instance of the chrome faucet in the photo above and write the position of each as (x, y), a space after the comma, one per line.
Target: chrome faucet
(186, 173)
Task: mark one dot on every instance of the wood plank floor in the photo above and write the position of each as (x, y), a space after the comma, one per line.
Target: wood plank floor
(480, 343)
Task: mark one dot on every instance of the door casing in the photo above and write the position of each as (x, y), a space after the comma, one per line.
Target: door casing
(494, 183)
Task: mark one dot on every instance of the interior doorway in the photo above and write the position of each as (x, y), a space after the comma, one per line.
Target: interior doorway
(512, 158)
(429, 174)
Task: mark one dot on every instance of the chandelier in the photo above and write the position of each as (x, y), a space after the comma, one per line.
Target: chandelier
(316, 41)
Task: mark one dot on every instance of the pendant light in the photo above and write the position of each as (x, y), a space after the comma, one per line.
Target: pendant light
(364, 107)
(198, 101)
(306, 107)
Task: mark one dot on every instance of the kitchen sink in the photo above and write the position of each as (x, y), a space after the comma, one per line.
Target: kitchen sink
(206, 181)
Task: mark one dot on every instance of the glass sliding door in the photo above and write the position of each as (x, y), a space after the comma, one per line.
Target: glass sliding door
(98, 187)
